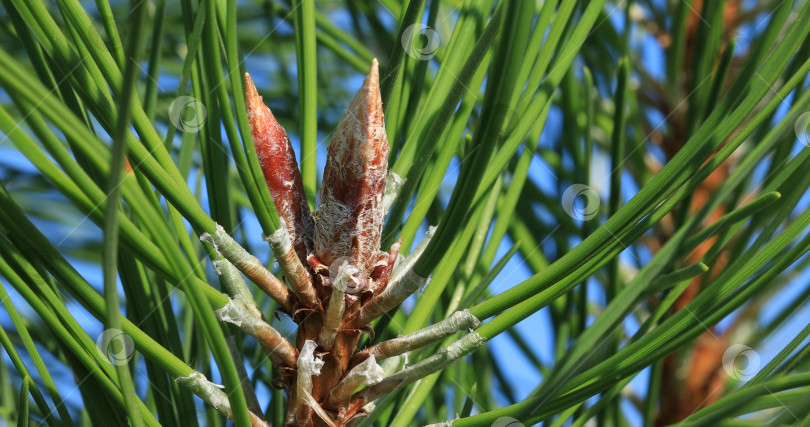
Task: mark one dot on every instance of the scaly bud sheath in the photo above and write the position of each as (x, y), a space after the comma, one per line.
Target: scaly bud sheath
(367, 372)
(231, 280)
(392, 296)
(291, 265)
(280, 170)
(277, 348)
(309, 365)
(438, 361)
(251, 267)
(211, 394)
(403, 282)
(384, 268)
(457, 322)
(350, 212)
(293, 239)
(337, 305)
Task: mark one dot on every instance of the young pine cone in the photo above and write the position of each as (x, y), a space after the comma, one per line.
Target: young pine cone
(339, 243)
(349, 219)
(280, 170)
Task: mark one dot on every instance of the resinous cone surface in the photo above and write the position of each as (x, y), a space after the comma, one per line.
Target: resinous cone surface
(280, 170)
(349, 219)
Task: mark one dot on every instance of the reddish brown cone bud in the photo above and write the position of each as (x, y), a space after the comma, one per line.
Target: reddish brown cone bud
(350, 212)
(280, 169)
